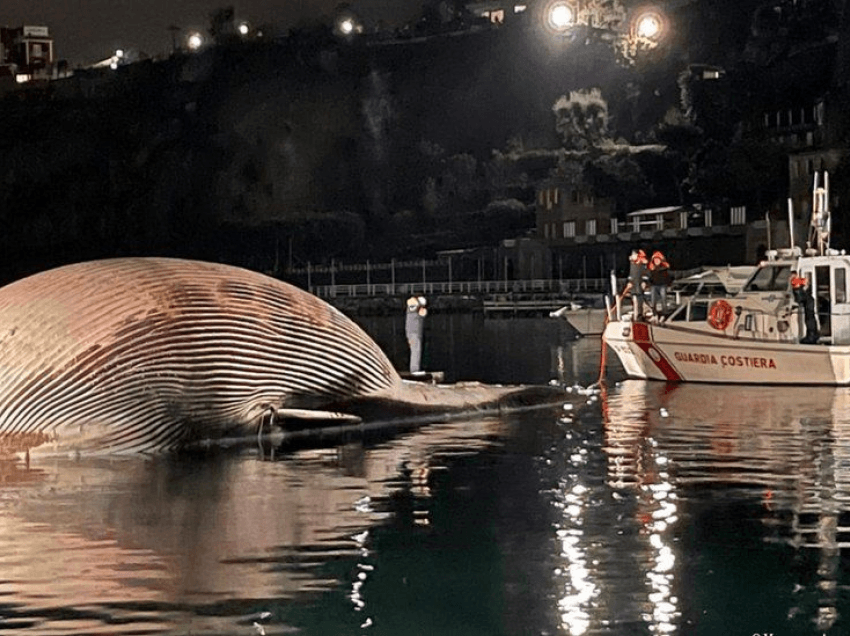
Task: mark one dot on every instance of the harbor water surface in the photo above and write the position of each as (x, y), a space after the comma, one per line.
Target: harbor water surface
(642, 508)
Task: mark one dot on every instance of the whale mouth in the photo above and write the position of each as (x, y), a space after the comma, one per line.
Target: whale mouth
(415, 399)
(423, 404)
(376, 418)
(382, 418)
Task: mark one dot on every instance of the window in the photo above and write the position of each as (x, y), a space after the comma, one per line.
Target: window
(497, 16)
(590, 227)
(569, 229)
(738, 215)
(840, 285)
(547, 197)
(770, 278)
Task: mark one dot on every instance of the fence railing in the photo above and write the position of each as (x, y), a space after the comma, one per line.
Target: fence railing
(430, 288)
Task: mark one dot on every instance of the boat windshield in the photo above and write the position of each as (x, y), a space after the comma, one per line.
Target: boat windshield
(770, 278)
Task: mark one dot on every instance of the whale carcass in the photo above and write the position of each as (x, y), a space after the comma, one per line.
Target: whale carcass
(146, 354)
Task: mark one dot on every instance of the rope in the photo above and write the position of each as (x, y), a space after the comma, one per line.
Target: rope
(603, 358)
(603, 355)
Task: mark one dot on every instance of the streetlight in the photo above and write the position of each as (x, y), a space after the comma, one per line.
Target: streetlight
(116, 59)
(243, 28)
(194, 40)
(347, 24)
(561, 16)
(649, 25)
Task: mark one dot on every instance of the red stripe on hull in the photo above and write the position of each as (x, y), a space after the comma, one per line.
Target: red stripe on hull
(641, 337)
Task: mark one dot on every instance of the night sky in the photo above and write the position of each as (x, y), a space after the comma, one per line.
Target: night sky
(85, 31)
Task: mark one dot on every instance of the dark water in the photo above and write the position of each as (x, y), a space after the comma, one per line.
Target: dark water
(646, 509)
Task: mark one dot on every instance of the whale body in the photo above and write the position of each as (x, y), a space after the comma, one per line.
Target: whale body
(148, 354)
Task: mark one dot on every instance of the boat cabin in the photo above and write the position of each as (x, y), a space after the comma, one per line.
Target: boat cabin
(765, 308)
(828, 278)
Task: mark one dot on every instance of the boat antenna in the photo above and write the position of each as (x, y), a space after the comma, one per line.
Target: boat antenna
(791, 223)
(767, 223)
(821, 218)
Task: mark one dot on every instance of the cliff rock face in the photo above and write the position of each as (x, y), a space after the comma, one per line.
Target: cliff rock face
(308, 142)
(311, 147)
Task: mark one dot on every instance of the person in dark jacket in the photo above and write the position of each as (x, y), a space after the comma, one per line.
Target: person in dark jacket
(637, 281)
(803, 297)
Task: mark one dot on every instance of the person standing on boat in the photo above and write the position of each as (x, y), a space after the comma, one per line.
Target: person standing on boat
(637, 281)
(659, 279)
(414, 329)
(803, 297)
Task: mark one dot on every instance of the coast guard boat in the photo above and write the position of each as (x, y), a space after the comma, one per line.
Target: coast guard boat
(590, 320)
(754, 336)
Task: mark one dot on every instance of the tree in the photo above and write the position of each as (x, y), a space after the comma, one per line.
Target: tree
(581, 119)
(222, 26)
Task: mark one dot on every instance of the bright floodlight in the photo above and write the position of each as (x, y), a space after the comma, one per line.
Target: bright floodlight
(243, 28)
(561, 16)
(648, 26)
(346, 26)
(195, 41)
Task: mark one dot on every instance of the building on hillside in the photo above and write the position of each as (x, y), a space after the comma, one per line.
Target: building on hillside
(586, 239)
(497, 12)
(26, 52)
(565, 212)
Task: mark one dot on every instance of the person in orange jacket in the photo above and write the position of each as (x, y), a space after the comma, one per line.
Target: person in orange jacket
(659, 280)
(803, 297)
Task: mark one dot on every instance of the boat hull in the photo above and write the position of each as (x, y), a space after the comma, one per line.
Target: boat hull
(588, 321)
(674, 354)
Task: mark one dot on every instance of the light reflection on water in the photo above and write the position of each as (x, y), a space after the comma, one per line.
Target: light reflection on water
(780, 454)
(642, 509)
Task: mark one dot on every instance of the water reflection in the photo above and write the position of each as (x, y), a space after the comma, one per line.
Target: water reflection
(785, 448)
(209, 545)
(647, 509)
(470, 347)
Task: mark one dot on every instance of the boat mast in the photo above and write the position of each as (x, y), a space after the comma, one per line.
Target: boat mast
(821, 218)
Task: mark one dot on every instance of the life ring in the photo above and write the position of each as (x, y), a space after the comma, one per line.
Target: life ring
(720, 314)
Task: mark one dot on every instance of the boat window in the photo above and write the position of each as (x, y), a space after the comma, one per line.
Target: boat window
(840, 285)
(770, 278)
(822, 300)
(699, 312)
(690, 311)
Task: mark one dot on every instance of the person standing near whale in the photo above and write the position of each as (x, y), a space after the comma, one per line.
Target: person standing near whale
(414, 329)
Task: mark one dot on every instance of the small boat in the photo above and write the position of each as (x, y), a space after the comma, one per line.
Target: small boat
(586, 318)
(711, 281)
(760, 334)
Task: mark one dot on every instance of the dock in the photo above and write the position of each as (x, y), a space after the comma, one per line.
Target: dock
(504, 307)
